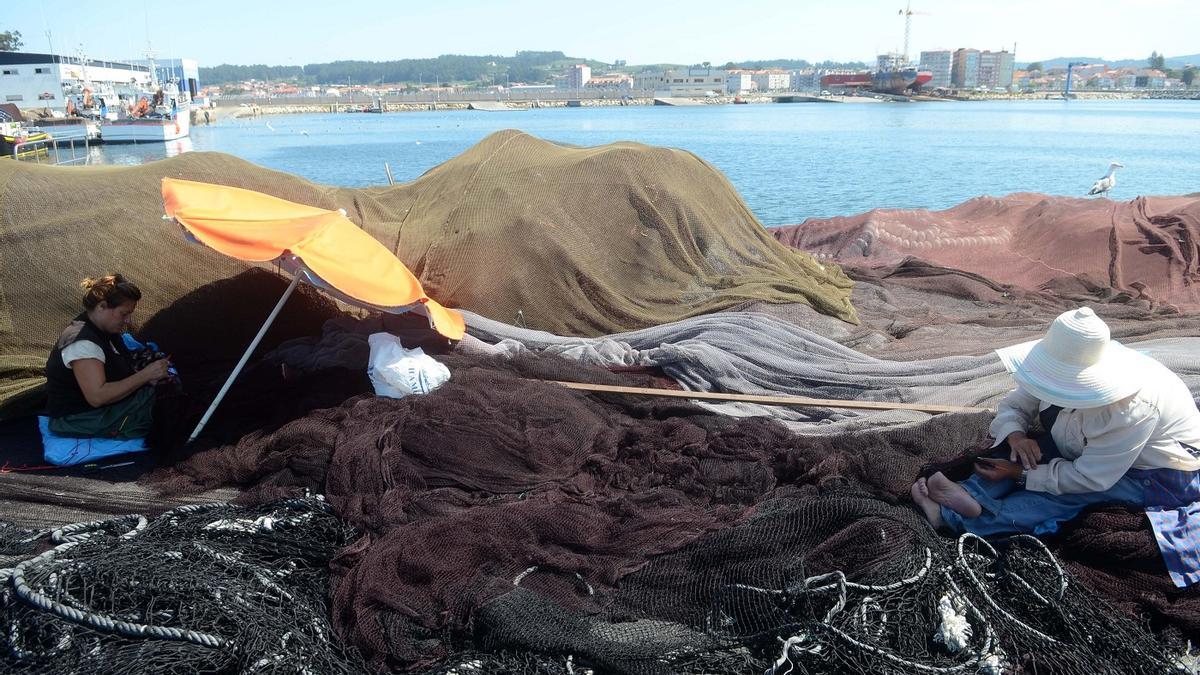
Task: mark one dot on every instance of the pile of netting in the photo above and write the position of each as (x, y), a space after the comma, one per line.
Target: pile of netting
(1147, 248)
(205, 588)
(514, 527)
(579, 241)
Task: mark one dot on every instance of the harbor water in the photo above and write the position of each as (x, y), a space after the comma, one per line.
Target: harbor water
(788, 161)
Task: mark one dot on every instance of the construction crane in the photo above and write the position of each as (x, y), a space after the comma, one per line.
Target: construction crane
(1070, 67)
(908, 13)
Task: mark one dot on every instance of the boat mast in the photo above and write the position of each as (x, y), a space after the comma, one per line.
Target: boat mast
(87, 80)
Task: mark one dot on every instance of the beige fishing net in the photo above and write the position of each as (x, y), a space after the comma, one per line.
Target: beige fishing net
(576, 241)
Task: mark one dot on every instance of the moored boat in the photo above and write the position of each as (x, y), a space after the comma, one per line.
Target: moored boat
(164, 115)
(169, 127)
(17, 140)
(899, 80)
(71, 128)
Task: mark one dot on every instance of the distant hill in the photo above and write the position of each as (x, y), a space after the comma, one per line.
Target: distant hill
(523, 67)
(526, 66)
(1062, 61)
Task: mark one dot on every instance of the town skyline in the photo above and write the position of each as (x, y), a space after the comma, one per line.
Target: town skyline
(245, 33)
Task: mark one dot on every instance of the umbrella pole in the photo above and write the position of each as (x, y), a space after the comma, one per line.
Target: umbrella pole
(245, 357)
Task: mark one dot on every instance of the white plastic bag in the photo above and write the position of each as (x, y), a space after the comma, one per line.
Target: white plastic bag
(397, 372)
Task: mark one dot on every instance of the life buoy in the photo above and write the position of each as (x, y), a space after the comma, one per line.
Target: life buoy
(176, 127)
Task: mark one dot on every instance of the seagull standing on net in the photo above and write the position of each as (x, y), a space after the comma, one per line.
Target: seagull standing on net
(1102, 186)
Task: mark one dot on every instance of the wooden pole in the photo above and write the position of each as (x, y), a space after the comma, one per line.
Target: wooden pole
(796, 401)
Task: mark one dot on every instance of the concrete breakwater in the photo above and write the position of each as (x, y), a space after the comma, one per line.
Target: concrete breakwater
(326, 105)
(284, 108)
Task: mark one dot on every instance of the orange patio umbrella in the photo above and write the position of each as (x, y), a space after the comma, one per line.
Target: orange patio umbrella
(322, 247)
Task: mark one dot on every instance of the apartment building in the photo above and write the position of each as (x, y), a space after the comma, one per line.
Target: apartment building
(771, 80)
(964, 71)
(995, 69)
(738, 82)
(940, 62)
(578, 76)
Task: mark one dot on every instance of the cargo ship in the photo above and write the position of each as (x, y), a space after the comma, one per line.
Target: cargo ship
(898, 80)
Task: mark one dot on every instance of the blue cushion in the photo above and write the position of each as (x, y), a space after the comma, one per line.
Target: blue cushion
(64, 451)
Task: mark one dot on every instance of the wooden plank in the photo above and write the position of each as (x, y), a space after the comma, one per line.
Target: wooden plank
(796, 401)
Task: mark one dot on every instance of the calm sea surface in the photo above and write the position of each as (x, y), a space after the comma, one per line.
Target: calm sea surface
(789, 161)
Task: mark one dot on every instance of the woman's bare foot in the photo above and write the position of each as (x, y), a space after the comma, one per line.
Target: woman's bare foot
(920, 495)
(952, 496)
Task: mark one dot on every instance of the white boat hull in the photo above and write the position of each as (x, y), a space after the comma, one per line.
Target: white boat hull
(72, 130)
(146, 130)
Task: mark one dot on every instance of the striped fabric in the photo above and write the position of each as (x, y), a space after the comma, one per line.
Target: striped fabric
(1173, 507)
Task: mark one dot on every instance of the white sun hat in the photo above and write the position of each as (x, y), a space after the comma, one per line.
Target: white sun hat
(1076, 365)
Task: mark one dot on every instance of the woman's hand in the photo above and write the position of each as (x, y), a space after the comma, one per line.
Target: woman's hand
(155, 371)
(997, 469)
(1024, 449)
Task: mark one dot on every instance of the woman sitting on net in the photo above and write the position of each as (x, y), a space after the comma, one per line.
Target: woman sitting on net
(93, 389)
(1122, 428)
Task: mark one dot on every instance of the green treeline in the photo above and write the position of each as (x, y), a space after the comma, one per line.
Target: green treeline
(792, 64)
(524, 67)
(528, 67)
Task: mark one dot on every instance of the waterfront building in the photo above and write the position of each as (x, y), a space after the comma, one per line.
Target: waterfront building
(806, 79)
(34, 80)
(939, 62)
(995, 69)
(693, 81)
(1151, 79)
(739, 82)
(578, 76)
(964, 72)
(610, 81)
(771, 80)
(531, 88)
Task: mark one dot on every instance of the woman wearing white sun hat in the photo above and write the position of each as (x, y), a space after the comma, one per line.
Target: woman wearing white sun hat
(1122, 429)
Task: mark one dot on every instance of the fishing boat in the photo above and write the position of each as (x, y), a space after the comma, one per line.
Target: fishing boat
(160, 125)
(161, 114)
(17, 140)
(85, 111)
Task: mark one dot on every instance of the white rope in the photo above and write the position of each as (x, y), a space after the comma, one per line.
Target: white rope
(983, 589)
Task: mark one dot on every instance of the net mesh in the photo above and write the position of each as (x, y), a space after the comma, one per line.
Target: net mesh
(1146, 250)
(201, 588)
(510, 228)
(563, 533)
(509, 525)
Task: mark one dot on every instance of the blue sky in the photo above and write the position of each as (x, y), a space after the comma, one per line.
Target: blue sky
(306, 31)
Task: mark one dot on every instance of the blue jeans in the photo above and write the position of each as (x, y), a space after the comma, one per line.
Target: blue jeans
(1008, 509)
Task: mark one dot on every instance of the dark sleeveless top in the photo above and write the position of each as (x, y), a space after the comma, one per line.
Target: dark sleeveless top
(63, 392)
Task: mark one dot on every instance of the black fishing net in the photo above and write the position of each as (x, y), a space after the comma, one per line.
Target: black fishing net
(832, 584)
(204, 588)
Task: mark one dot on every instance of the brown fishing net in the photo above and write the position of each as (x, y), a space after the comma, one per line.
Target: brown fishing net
(572, 240)
(915, 309)
(1145, 250)
(513, 526)
(509, 525)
